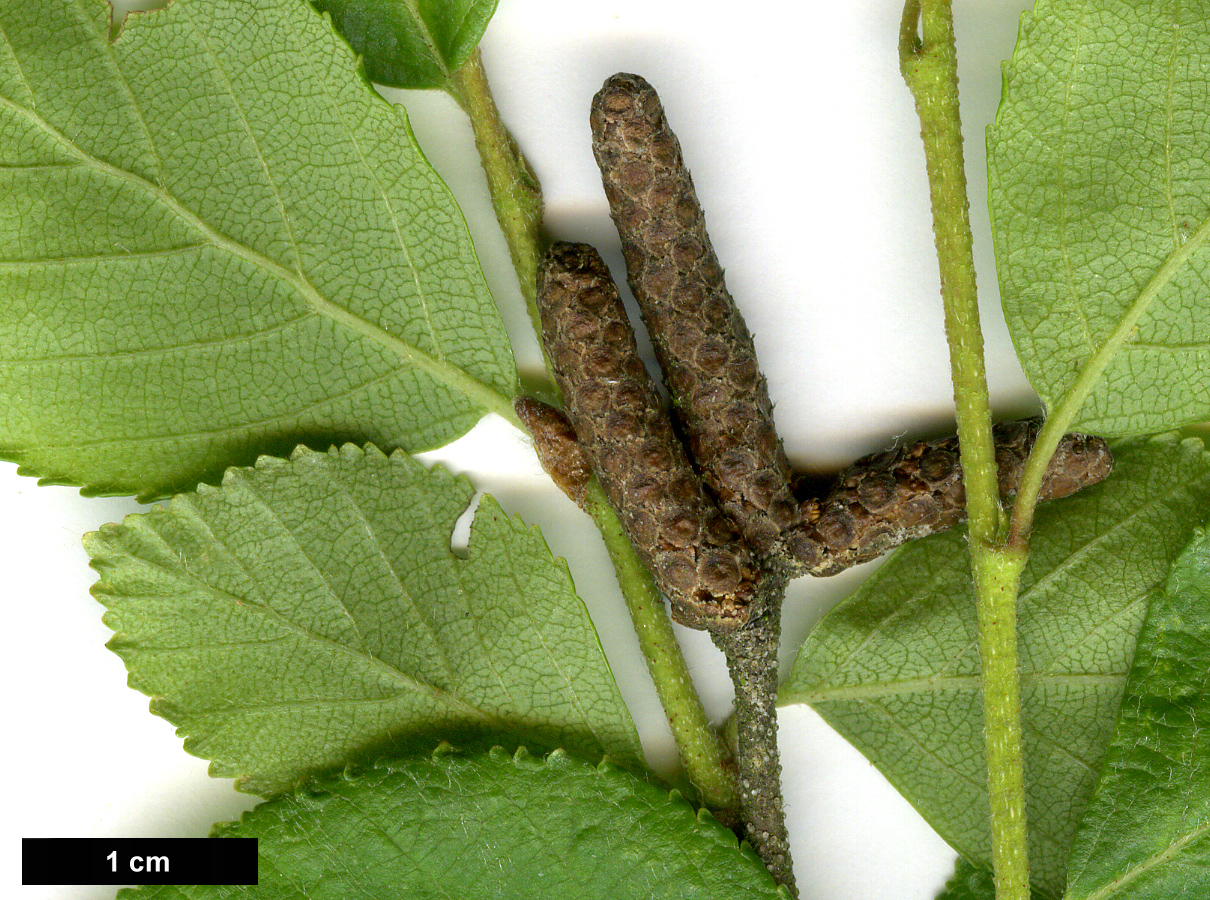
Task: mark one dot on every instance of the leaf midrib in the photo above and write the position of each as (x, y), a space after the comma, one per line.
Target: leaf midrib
(427, 36)
(1151, 862)
(1099, 361)
(455, 377)
(406, 682)
(1065, 412)
(202, 434)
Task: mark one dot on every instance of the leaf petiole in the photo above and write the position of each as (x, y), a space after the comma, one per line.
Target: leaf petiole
(1061, 417)
(515, 191)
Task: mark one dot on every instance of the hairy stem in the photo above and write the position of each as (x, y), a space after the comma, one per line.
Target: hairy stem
(752, 660)
(928, 61)
(517, 199)
(702, 753)
(930, 67)
(515, 191)
(997, 576)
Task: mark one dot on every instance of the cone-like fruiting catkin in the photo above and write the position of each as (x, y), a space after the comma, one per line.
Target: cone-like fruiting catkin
(886, 499)
(702, 343)
(692, 550)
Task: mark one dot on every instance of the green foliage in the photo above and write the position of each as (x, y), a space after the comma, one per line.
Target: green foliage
(216, 242)
(1098, 173)
(1144, 835)
(895, 668)
(219, 242)
(971, 882)
(411, 45)
(310, 612)
(490, 825)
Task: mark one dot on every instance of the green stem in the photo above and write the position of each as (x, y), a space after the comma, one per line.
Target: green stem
(997, 575)
(929, 64)
(702, 753)
(517, 199)
(930, 67)
(514, 188)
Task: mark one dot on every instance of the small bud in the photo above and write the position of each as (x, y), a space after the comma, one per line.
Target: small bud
(558, 450)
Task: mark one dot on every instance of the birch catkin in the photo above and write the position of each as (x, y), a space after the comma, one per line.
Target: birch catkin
(703, 345)
(692, 550)
(887, 499)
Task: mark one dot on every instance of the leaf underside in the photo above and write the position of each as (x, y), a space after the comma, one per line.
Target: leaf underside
(489, 825)
(1100, 202)
(971, 882)
(895, 667)
(217, 241)
(1146, 832)
(310, 613)
(411, 45)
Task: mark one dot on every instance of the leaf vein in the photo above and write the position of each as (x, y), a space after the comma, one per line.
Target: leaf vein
(120, 77)
(1151, 862)
(478, 392)
(371, 173)
(246, 127)
(20, 265)
(206, 434)
(29, 88)
(372, 662)
(1061, 183)
(404, 594)
(153, 352)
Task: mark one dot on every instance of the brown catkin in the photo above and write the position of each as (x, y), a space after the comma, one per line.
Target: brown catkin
(886, 499)
(702, 343)
(692, 550)
(557, 448)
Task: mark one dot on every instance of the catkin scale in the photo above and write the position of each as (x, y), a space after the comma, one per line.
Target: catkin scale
(692, 550)
(886, 499)
(702, 342)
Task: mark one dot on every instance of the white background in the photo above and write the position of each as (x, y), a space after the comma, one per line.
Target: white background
(804, 147)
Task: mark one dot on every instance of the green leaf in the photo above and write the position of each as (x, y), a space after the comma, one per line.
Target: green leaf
(489, 825)
(1099, 195)
(1146, 832)
(310, 612)
(216, 241)
(411, 45)
(895, 667)
(971, 882)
